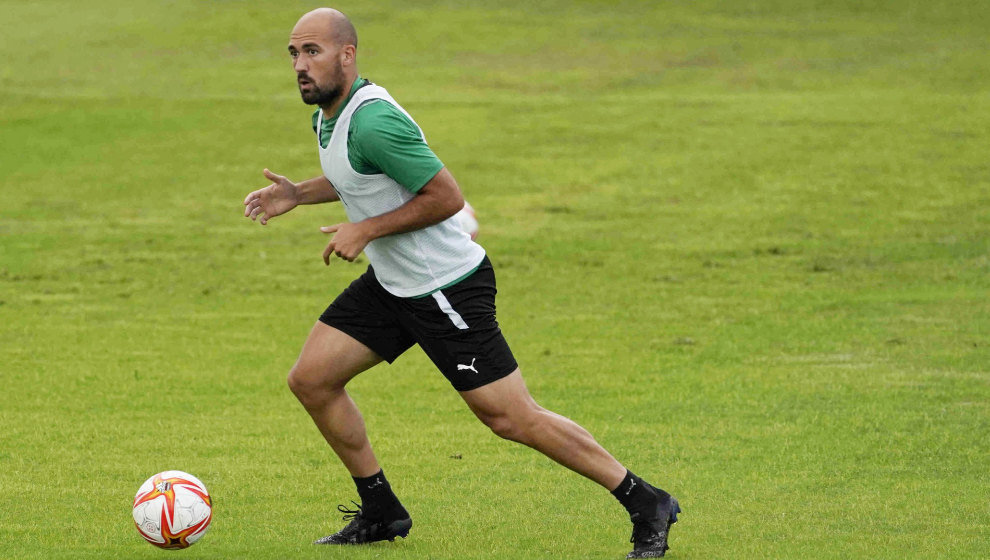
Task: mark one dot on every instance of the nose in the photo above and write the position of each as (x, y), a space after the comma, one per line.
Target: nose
(299, 64)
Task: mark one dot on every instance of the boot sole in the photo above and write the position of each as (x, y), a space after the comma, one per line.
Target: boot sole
(397, 528)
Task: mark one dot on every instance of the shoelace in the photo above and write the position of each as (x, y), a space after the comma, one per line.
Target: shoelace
(349, 513)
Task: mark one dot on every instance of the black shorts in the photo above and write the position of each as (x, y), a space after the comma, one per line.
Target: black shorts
(456, 326)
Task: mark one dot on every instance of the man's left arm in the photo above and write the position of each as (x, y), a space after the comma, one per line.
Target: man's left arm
(439, 199)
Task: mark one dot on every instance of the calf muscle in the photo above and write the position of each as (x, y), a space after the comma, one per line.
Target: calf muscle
(507, 408)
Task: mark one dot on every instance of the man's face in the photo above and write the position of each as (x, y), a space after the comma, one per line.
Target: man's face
(319, 71)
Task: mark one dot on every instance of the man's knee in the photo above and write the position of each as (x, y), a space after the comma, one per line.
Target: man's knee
(312, 388)
(514, 427)
(502, 426)
(300, 385)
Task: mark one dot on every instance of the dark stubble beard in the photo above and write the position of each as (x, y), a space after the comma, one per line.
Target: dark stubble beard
(326, 94)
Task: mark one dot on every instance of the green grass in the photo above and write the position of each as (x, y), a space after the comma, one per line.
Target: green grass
(743, 243)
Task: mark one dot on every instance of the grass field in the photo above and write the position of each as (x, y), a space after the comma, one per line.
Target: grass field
(744, 243)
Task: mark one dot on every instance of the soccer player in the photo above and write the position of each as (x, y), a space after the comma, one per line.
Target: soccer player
(428, 283)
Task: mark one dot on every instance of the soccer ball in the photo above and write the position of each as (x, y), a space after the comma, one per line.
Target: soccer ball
(172, 509)
(468, 220)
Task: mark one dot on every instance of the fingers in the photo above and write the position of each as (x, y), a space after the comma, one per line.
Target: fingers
(253, 200)
(253, 195)
(251, 205)
(332, 248)
(254, 204)
(274, 177)
(254, 209)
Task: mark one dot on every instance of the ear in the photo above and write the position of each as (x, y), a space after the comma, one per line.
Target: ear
(348, 54)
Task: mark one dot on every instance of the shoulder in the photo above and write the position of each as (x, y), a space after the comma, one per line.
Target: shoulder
(379, 117)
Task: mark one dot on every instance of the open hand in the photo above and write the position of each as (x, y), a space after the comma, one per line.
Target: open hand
(275, 199)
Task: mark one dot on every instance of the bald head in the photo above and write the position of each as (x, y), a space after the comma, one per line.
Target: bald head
(331, 23)
(323, 47)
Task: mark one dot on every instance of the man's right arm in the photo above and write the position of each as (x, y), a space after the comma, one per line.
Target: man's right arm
(316, 191)
(284, 195)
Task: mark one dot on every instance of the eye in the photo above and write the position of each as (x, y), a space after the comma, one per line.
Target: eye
(312, 52)
(294, 54)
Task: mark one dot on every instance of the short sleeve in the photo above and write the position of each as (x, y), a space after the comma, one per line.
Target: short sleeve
(382, 139)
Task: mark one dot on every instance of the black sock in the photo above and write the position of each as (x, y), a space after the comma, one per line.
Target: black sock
(377, 498)
(638, 496)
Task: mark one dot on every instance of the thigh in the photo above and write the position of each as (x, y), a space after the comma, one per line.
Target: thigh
(500, 398)
(332, 357)
(366, 312)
